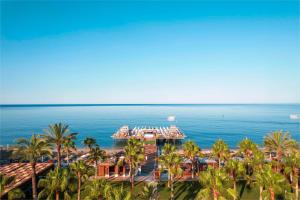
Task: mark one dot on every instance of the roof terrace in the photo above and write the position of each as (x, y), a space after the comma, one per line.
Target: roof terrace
(149, 133)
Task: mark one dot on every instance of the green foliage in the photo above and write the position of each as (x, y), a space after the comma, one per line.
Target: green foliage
(32, 149)
(5, 181)
(270, 181)
(216, 185)
(57, 134)
(16, 194)
(89, 142)
(149, 191)
(220, 150)
(279, 142)
(134, 155)
(94, 189)
(57, 182)
(171, 160)
(116, 193)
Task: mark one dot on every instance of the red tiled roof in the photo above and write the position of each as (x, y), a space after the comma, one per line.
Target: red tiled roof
(21, 172)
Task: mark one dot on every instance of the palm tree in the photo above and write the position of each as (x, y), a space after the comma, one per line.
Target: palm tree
(291, 167)
(4, 182)
(220, 150)
(191, 150)
(216, 184)
(168, 148)
(116, 193)
(57, 134)
(257, 163)
(235, 170)
(272, 182)
(96, 155)
(247, 147)
(94, 189)
(171, 162)
(58, 181)
(89, 142)
(281, 143)
(149, 191)
(32, 149)
(16, 194)
(68, 146)
(81, 170)
(134, 155)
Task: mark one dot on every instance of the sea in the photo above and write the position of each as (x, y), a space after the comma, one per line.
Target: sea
(203, 123)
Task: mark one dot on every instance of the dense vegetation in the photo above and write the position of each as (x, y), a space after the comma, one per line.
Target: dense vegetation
(273, 169)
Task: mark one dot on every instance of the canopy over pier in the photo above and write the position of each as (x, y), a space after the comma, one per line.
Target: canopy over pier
(149, 133)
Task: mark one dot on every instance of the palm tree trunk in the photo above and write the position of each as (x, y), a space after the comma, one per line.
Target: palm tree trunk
(58, 155)
(79, 186)
(193, 168)
(33, 180)
(260, 192)
(56, 195)
(172, 192)
(96, 169)
(68, 161)
(169, 178)
(297, 186)
(215, 194)
(131, 177)
(234, 188)
(219, 163)
(272, 194)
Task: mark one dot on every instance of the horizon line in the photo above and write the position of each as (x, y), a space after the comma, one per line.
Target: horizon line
(137, 104)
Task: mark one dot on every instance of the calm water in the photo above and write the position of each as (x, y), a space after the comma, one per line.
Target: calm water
(202, 123)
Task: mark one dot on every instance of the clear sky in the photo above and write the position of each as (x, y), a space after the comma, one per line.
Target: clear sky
(150, 52)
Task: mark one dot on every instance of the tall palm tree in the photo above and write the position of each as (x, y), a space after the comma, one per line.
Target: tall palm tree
(171, 162)
(57, 182)
(68, 146)
(134, 155)
(272, 182)
(235, 170)
(32, 150)
(291, 167)
(281, 143)
(257, 164)
(216, 184)
(220, 150)
(191, 151)
(247, 147)
(89, 142)
(174, 170)
(94, 189)
(56, 134)
(81, 170)
(96, 155)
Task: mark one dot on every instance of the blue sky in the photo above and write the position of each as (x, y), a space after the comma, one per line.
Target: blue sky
(150, 52)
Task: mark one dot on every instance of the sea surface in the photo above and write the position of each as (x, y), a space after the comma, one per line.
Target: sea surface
(203, 123)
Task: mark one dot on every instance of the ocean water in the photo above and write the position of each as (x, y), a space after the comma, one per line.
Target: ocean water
(202, 123)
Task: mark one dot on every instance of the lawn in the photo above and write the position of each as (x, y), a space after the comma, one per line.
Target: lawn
(188, 190)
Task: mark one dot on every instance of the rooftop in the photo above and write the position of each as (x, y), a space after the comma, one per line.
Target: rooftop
(149, 133)
(21, 172)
